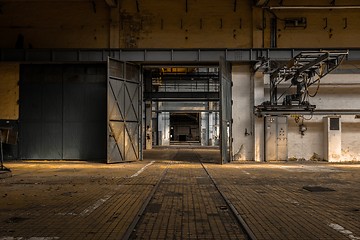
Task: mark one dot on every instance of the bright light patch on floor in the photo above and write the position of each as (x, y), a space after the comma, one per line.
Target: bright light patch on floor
(142, 169)
(305, 168)
(97, 204)
(344, 231)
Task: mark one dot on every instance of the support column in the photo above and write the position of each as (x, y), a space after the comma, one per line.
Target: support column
(204, 126)
(259, 97)
(148, 124)
(164, 128)
(242, 113)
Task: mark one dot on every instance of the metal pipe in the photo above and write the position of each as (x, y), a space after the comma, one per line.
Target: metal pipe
(311, 7)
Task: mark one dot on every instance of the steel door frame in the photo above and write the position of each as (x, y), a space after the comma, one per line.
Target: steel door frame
(124, 116)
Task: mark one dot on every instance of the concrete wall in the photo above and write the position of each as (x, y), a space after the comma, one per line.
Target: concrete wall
(350, 138)
(55, 24)
(199, 24)
(9, 91)
(337, 91)
(324, 28)
(172, 24)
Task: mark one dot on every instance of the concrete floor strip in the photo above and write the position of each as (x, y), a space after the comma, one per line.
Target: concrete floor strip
(344, 231)
(142, 169)
(97, 204)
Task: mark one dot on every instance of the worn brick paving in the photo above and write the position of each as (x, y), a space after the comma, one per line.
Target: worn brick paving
(187, 206)
(81, 203)
(274, 204)
(80, 200)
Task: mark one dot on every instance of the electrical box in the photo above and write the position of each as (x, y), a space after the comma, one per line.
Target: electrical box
(276, 136)
(332, 139)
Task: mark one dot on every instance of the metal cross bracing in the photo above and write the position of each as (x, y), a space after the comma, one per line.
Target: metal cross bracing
(124, 111)
(299, 74)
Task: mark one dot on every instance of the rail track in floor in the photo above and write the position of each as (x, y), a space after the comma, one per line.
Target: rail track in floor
(187, 203)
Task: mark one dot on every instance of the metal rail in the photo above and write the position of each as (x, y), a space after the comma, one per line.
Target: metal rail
(239, 219)
(247, 230)
(136, 220)
(151, 56)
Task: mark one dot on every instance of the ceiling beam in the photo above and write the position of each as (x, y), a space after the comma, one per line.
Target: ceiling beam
(112, 3)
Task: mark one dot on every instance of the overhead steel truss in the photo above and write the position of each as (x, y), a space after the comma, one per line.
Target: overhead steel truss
(156, 55)
(300, 73)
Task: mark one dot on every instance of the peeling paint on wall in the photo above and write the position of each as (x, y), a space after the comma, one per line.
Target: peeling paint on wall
(133, 27)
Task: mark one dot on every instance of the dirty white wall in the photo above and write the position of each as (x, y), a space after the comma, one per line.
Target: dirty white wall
(242, 113)
(337, 91)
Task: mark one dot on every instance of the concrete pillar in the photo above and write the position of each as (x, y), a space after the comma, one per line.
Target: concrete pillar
(204, 126)
(258, 128)
(332, 139)
(164, 128)
(148, 125)
(242, 113)
(214, 126)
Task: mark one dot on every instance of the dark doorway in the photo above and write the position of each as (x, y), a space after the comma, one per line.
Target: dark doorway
(63, 112)
(184, 127)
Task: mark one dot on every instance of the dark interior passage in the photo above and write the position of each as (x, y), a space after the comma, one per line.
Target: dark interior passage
(184, 127)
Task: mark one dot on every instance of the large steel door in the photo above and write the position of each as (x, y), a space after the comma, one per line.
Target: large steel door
(225, 111)
(124, 111)
(63, 112)
(41, 112)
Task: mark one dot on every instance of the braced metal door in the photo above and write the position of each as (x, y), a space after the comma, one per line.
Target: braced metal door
(124, 111)
(225, 111)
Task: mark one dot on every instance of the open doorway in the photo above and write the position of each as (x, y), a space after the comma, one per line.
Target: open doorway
(184, 128)
(187, 105)
(182, 105)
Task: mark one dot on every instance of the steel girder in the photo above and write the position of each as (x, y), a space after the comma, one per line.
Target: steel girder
(165, 56)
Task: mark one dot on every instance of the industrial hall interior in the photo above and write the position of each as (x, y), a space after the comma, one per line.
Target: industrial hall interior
(183, 119)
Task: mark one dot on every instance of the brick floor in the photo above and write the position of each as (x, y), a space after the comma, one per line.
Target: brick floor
(82, 200)
(73, 200)
(272, 200)
(187, 206)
